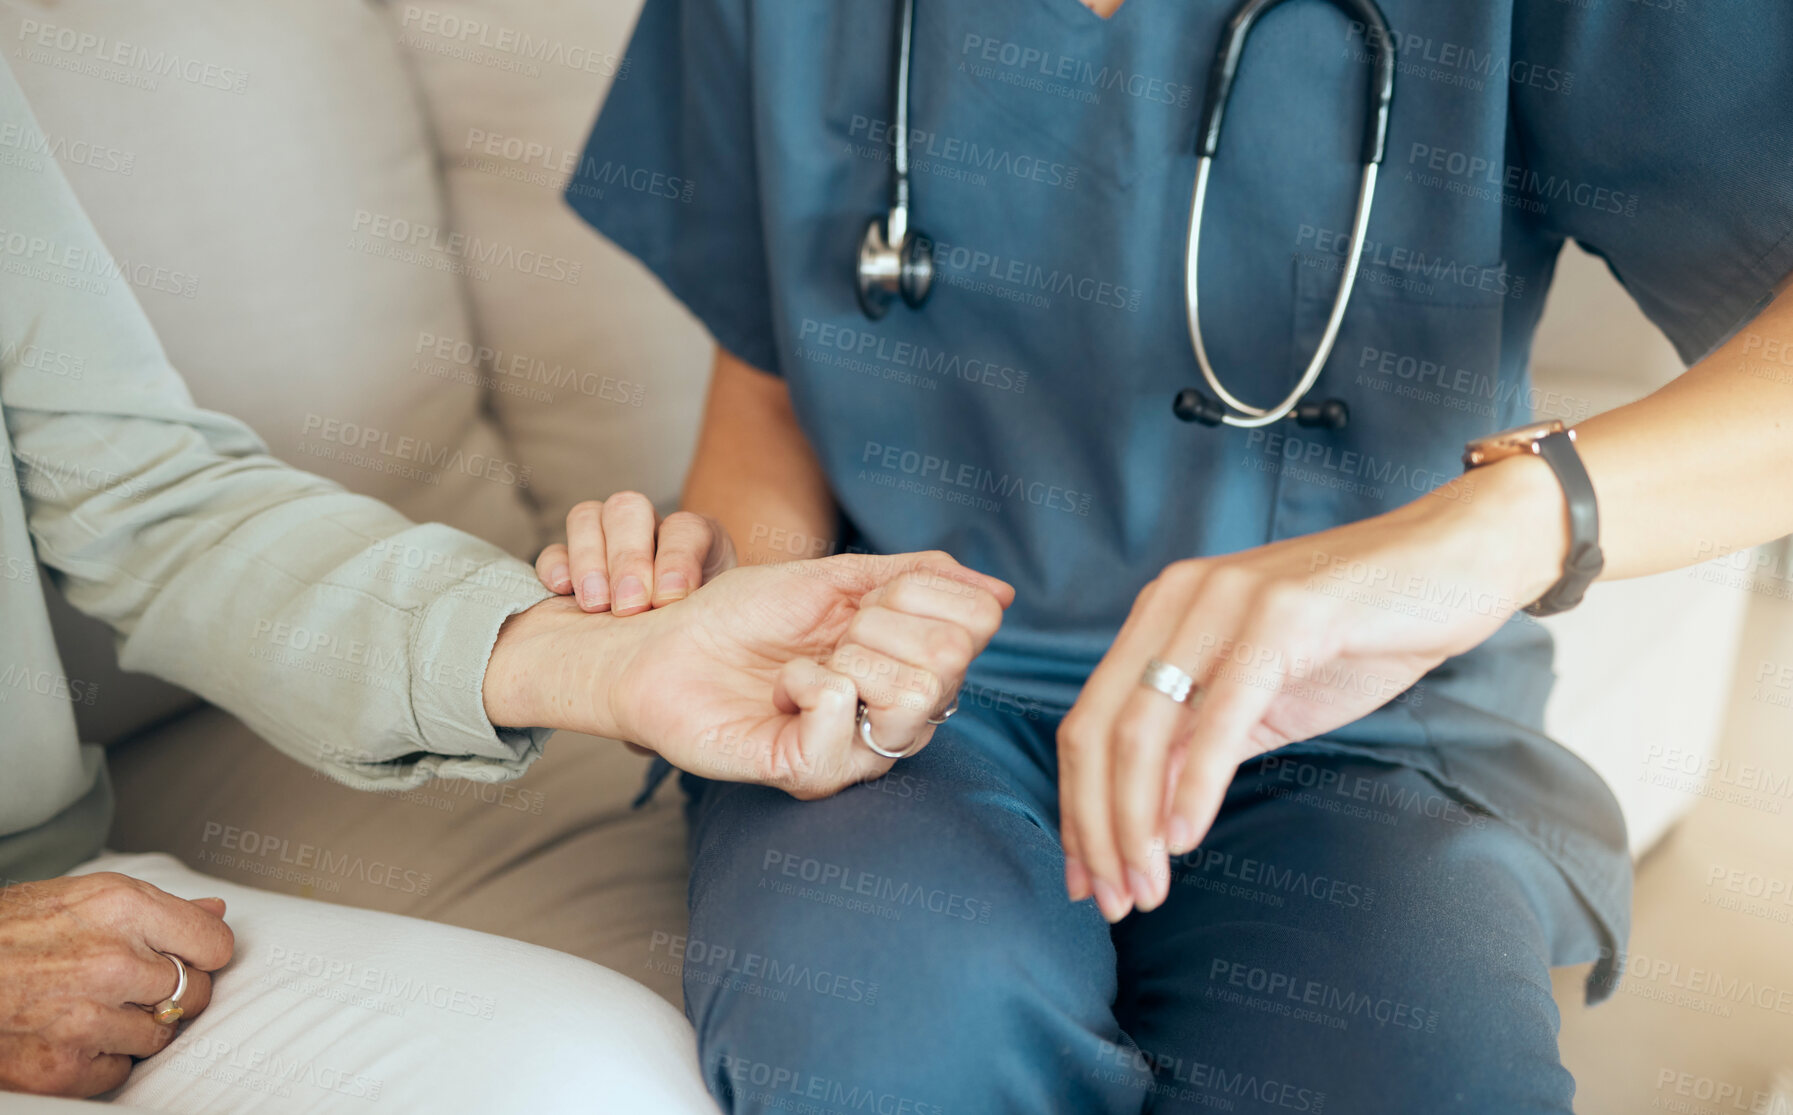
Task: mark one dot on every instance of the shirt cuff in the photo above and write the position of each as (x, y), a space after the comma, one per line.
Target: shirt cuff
(450, 647)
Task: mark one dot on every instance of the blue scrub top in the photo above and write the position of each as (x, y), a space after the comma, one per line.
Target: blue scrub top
(1022, 419)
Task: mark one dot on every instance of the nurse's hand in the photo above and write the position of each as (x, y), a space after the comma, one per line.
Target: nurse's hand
(1285, 642)
(619, 556)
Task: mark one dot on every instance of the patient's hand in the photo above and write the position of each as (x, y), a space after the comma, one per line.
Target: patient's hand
(81, 972)
(757, 677)
(620, 558)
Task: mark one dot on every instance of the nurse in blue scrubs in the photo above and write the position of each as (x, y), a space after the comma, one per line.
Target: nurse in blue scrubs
(1247, 806)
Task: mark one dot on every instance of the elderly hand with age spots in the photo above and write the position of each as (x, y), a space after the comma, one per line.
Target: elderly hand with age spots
(82, 964)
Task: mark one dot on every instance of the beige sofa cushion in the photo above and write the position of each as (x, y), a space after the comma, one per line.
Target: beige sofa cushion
(598, 373)
(285, 229)
(258, 169)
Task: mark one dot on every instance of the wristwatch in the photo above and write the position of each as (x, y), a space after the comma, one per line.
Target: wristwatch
(1554, 442)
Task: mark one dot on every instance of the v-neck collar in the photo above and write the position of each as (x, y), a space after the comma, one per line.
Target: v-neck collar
(1078, 15)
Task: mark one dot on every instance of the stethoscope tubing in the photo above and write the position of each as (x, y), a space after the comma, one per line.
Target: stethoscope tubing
(898, 225)
(880, 266)
(1249, 416)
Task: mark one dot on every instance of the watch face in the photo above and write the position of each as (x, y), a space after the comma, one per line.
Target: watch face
(1506, 443)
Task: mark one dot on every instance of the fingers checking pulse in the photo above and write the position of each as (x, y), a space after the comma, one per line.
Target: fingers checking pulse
(620, 557)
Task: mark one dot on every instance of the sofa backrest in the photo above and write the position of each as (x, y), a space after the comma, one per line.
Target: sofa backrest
(266, 179)
(597, 374)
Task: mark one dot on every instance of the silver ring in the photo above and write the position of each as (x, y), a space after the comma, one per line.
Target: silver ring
(1168, 680)
(948, 714)
(169, 1011)
(865, 736)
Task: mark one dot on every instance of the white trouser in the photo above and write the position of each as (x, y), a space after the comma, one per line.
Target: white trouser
(330, 1009)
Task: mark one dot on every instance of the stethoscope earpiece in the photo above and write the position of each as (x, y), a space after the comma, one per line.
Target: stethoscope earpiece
(1327, 414)
(1191, 405)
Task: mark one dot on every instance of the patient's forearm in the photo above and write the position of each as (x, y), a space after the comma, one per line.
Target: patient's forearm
(329, 623)
(755, 472)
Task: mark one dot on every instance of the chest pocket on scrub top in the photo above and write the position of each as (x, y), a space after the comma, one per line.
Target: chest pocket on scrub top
(1418, 361)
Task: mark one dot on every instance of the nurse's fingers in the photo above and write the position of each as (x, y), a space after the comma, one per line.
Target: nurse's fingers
(680, 555)
(820, 755)
(586, 567)
(1093, 863)
(1220, 735)
(1149, 729)
(553, 567)
(629, 521)
(1144, 731)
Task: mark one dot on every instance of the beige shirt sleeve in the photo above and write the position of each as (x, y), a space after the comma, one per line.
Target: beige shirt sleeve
(349, 637)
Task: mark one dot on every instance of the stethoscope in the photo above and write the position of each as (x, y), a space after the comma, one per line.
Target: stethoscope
(896, 259)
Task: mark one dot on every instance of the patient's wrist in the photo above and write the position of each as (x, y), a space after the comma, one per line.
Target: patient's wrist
(555, 666)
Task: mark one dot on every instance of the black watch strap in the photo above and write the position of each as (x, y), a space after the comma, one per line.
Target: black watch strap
(1585, 560)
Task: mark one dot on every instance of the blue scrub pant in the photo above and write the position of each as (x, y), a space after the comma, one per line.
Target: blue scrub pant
(1350, 938)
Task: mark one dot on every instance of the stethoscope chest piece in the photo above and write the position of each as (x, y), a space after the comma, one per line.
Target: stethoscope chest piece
(887, 271)
(895, 259)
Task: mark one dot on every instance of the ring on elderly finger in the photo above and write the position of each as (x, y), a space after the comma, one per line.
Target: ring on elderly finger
(864, 724)
(1168, 680)
(169, 1011)
(947, 715)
